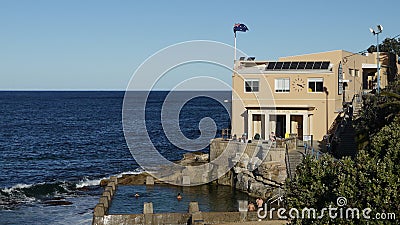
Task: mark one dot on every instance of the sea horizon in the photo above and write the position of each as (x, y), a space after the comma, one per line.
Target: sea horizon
(101, 90)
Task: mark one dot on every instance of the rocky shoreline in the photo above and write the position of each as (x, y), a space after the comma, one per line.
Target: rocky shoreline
(260, 182)
(189, 159)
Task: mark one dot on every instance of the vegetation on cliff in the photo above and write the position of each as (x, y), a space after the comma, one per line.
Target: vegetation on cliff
(370, 181)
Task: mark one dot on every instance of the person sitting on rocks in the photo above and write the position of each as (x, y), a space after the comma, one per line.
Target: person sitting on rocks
(272, 137)
(251, 207)
(234, 137)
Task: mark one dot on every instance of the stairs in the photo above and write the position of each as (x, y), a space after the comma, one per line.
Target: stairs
(343, 142)
(295, 158)
(346, 145)
(357, 110)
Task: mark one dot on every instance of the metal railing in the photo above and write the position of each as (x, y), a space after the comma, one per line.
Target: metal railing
(332, 138)
(276, 198)
(309, 150)
(287, 161)
(226, 134)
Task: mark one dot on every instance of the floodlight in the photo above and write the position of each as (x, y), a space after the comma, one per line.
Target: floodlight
(378, 80)
(372, 30)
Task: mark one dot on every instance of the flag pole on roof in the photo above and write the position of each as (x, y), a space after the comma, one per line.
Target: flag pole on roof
(238, 27)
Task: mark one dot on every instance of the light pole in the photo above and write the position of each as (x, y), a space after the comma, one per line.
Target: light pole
(377, 32)
(326, 109)
(326, 137)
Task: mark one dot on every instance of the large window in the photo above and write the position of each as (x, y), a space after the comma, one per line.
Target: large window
(251, 85)
(315, 85)
(282, 85)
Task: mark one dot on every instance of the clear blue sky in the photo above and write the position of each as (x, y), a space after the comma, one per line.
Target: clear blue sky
(95, 44)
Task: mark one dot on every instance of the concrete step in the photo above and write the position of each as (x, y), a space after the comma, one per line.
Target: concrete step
(346, 145)
(295, 158)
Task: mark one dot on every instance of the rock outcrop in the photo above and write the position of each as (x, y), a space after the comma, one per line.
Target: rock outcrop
(261, 181)
(189, 159)
(257, 171)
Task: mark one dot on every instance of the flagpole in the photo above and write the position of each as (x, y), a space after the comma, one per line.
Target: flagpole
(234, 58)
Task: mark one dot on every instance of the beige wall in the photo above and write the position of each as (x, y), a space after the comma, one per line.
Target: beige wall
(310, 105)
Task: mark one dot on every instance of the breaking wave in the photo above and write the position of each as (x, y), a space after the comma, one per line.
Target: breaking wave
(29, 193)
(85, 182)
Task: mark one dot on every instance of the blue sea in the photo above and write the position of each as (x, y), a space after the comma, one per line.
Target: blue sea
(57, 146)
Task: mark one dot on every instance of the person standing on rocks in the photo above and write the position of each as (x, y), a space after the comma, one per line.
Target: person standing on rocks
(259, 202)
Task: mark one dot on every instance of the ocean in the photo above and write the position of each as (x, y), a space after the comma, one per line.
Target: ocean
(57, 146)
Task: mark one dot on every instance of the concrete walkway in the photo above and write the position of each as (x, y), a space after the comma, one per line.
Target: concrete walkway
(295, 158)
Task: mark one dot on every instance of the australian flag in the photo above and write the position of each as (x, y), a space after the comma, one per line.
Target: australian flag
(240, 27)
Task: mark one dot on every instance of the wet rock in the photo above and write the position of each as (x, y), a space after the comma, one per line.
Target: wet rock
(133, 179)
(104, 182)
(83, 189)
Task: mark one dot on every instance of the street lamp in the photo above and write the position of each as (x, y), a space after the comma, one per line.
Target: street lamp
(326, 108)
(377, 32)
(326, 137)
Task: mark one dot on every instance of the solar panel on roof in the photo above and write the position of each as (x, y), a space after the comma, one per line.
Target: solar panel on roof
(298, 65)
(301, 66)
(325, 65)
(309, 65)
(286, 65)
(317, 65)
(278, 65)
(294, 65)
(271, 65)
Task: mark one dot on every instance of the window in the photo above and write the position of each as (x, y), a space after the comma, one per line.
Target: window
(256, 117)
(315, 85)
(357, 73)
(251, 85)
(351, 72)
(282, 85)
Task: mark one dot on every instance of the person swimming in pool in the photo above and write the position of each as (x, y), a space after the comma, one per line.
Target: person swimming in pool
(179, 196)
